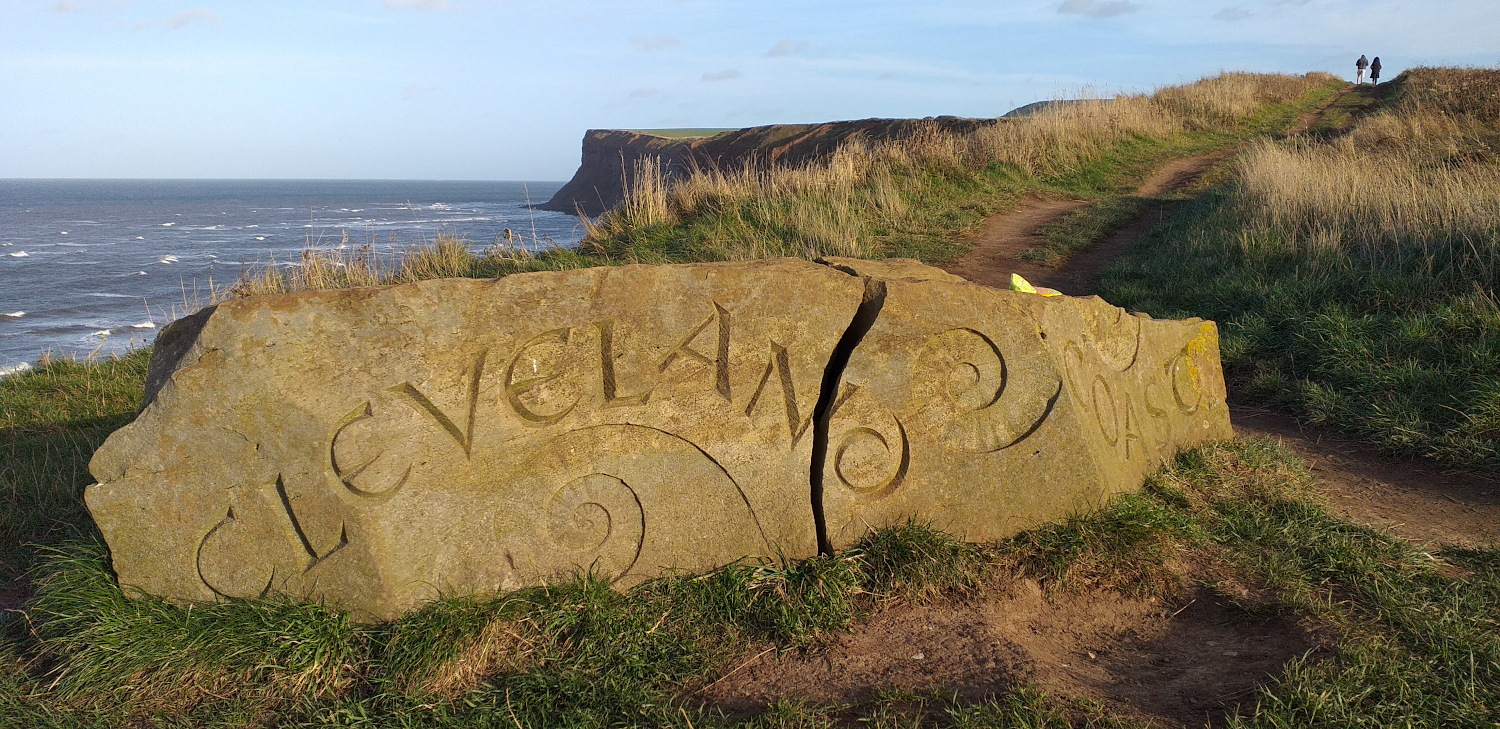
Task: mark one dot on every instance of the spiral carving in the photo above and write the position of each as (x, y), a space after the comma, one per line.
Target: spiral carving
(959, 380)
(599, 515)
(1117, 340)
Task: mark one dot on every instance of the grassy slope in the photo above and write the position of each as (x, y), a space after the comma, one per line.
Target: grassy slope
(1418, 644)
(1396, 340)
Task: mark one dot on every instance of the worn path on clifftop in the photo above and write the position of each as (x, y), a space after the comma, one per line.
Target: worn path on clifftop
(1417, 501)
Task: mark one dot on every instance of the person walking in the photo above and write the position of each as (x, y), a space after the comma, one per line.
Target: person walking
(1375, 71)
(1360, 66)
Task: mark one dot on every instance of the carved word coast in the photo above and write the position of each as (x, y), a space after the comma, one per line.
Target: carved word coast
(376, 448)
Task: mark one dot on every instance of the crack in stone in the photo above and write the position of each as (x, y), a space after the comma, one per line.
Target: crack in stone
(833, 374)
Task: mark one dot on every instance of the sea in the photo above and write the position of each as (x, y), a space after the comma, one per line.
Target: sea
(94, 268)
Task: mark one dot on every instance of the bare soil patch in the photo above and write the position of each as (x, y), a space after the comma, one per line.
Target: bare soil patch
(1181, 661)
(1418, 501)
(1003, 237)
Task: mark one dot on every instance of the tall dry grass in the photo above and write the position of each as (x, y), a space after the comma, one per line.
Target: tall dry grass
(1383, 209)
(345, 266)
(848, 203)
(1416, 183)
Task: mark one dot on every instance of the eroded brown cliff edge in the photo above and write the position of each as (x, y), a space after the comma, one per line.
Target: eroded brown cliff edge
(610, 155)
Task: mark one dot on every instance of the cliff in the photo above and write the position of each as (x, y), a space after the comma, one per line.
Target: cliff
(610, 155)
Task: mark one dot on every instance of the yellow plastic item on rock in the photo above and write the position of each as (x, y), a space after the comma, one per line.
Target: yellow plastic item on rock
(1020, 284)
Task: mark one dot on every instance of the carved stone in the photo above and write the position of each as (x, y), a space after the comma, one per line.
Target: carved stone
(987, 412)
(376, 448)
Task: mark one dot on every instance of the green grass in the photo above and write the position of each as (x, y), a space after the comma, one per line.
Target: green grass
(1084, 227)
(51, 420)
(1396, 356)
(1390, 334)
(1418, 633)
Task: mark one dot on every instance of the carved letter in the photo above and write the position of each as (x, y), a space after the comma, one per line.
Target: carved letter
(780, 363)
(721, 359)
(514, 388)
(607, 370)
(465, 436)
(347, 476)
(313, 558)
(228, 519)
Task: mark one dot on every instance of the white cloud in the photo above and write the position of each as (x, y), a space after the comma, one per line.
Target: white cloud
(1097, 8)
(177, 21)
(439, 5)
(727, 75)
(1232, 14)
(787, 47)
(654, 42)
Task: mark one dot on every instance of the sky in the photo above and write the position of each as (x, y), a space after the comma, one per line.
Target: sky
(504, 90)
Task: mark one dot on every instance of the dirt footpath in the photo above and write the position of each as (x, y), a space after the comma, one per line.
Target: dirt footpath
(1175, 662)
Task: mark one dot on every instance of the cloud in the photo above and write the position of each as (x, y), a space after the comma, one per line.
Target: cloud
(728, 75)
(177, 21)
(1097, 8)
(1232, 14)
(438, 5)
(654, 42)
(787, 47)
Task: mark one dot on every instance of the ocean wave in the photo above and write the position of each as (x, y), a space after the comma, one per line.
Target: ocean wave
(15, 314)
(144, 325)
(14, 369)
(6, 245)
(111, 296)
(74, 245)
(260, 237)
(62, 232)
(167, 225)
(19, 254)
(168, 259)
(101, 333)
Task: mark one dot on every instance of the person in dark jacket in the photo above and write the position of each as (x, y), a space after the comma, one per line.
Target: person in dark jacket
(1375, 71)
(1360, 66)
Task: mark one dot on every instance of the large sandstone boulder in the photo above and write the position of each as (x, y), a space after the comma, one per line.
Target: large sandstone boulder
(376, 448)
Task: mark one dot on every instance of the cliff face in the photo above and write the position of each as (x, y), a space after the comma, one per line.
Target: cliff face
(610, 155)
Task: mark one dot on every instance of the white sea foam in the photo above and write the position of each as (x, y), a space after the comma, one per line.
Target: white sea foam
(19, 254)
(74, 245)
(140, 273)
(62, 232)
(144, 325)
(112, 296)
(260, 237)
(6, 245)
(101, 333)
(168, 259)
(140, 237)
(252, 226)
(15, 314)
(14, 369)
